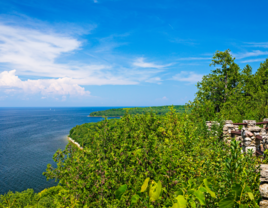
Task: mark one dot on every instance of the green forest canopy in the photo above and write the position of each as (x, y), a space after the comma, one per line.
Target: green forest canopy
(118, 112)
(186, 165)
(232, 93)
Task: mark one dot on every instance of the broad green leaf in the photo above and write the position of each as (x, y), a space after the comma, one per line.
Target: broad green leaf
(119, 192)
(145, 185)
(155, 190)
(200, 196)
(227, 202)
(250, 195)
(206, 183)
(134, 199)
(175, 205)
(181, 201)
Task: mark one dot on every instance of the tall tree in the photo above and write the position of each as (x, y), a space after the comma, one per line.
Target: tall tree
(215, 87)
(228, 70)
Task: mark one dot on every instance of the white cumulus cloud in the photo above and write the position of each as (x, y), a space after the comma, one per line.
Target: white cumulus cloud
(61, 86)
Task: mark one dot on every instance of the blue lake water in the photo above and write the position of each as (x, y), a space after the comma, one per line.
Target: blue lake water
(28, 139)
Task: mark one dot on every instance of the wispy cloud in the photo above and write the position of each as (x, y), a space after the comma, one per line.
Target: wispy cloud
(250, 54)
(141, 63)
(95, 1)
(253, 60)
(257, 45)
(190, 77)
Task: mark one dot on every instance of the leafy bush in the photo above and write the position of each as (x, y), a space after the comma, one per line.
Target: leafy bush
(172, 149)
(29, 199)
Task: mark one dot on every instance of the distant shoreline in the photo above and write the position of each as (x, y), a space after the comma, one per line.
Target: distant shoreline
(120, 112)
(104, 116)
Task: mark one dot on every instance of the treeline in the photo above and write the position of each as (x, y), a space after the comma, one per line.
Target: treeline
(231, 92)
(119, 112)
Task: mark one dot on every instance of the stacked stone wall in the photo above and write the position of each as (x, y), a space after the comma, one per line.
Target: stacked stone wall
(251, 136)
(264, 186)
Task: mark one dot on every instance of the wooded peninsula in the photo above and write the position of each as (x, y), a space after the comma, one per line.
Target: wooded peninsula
(119, 112)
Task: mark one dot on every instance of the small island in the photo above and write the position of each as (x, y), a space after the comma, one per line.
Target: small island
(119, 112)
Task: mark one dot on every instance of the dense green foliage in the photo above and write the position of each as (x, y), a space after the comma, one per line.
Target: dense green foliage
(163, 158)
(48, 198)
(118, 112)
(172, 149)
(232, 93)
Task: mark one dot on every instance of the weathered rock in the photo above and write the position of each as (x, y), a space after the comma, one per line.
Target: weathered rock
(264, 190)
(250, 122)
(225, 128)
(248, 134)
(254, 128)
(264, 170)
(229, 125)
(228, 122)
(247, 139)
(264, 204)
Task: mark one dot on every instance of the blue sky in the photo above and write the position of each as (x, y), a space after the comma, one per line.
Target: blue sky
(121, 53)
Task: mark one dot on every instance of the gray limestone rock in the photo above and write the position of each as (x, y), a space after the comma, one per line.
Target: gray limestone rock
(264, 190)
(264, 170)
(264, 204)
(228, 122)
(254, 128)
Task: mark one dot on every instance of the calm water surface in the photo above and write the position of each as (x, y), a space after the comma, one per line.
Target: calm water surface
(28, 139)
